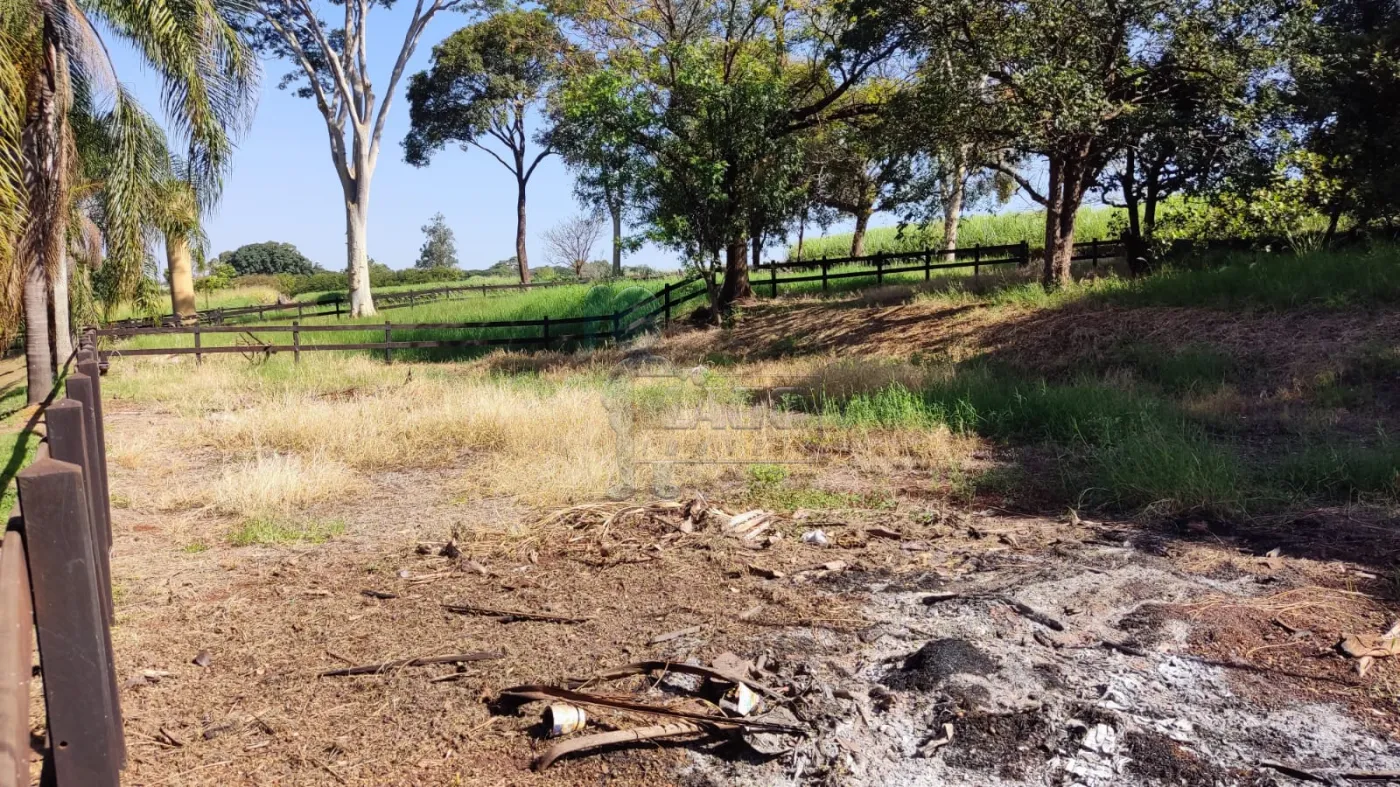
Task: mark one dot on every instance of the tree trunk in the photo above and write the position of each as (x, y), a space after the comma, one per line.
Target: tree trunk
(801, 231)
(1130, 193)
(615, 208)
(1334, 217)
(736, 273)
(757, 249)
(858, 237)
(177, 255)
(1066, 192)
(356, 237)
(38, 362)
(45, 178)
(520, 233)
(62, 314)
(952, 209)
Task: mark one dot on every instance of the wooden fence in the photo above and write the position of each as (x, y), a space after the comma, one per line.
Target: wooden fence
(554, 333)
(339, 306)
(55, 579)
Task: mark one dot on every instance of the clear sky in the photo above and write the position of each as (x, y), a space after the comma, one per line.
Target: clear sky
(284, 188)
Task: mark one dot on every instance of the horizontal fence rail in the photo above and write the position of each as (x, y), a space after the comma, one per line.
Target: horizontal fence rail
(339, 305)
(549, 332)
(55, 580)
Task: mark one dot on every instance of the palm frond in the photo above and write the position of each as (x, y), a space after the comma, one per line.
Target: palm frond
(210, 76)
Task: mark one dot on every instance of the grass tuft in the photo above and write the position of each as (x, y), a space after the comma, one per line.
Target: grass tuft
(277, 532)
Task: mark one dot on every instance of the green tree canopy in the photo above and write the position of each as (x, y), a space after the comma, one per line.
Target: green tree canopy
(268, 257)
(485, 82)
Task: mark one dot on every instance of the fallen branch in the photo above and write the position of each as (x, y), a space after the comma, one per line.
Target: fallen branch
(374, 669)
(647, 667)
(545, 693)
(1022, 609)
(677, 634)
(589, 742)
(507, 616)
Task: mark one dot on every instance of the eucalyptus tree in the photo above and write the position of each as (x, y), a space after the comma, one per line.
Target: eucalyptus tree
(486, 82)
(718, 94)
(331, 67)
(209, 79)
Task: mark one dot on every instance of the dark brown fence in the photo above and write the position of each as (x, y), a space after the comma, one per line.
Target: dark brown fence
(542, 333)
(55, 579)
(927, 261)
(339, 306)
(556, 333)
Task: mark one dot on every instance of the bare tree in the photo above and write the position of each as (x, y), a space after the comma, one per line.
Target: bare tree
(332, 67)
(571, 241)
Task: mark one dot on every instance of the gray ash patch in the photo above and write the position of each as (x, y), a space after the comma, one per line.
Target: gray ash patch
(929, 666)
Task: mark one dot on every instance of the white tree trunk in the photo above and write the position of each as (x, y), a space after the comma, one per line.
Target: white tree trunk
(952, 208)
(62, 329)
(357, 263)
(36, 332)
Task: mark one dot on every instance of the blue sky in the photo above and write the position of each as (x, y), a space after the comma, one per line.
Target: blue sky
(284, 188)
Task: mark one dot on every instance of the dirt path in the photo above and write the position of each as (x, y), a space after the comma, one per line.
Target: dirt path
(1223, 656)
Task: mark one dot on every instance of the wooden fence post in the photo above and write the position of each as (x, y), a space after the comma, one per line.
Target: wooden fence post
(70, 440)
(74, 641)
(1094, 245)
(299, 306)
(1025, 252)
(296, 341)
(337, 307)
(198, 356)
(89, 366)
(388, 352)
(773, 277)
(16, 658)
(824, 270)
(666, 305)
(546, 331)
(928, 263)
(879, 268)
(977, 261)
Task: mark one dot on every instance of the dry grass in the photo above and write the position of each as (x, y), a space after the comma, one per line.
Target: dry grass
(272, 485)
(542, 439)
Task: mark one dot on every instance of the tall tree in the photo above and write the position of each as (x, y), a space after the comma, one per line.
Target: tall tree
(209, 79)
(723, 91)
(439, 248)
(486, 82)
(331, 66)
(856, 165)
(1344, 92)
(607, 169)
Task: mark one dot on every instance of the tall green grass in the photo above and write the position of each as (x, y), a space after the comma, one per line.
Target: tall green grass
(1114, 446)
(995, 230)
(555, 303)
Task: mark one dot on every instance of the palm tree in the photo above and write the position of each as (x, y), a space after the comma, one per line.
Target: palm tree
(52, 45)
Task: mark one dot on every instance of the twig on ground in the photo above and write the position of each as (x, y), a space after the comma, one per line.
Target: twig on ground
(374, 669)
(587, 742)
(507, 616)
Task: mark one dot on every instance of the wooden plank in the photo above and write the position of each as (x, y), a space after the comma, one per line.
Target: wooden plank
(90, 366)
(16, 659)
(74, 642)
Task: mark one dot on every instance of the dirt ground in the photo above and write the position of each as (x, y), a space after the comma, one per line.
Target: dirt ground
(915, 644)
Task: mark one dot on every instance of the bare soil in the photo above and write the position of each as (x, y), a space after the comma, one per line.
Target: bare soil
(1218, 684)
